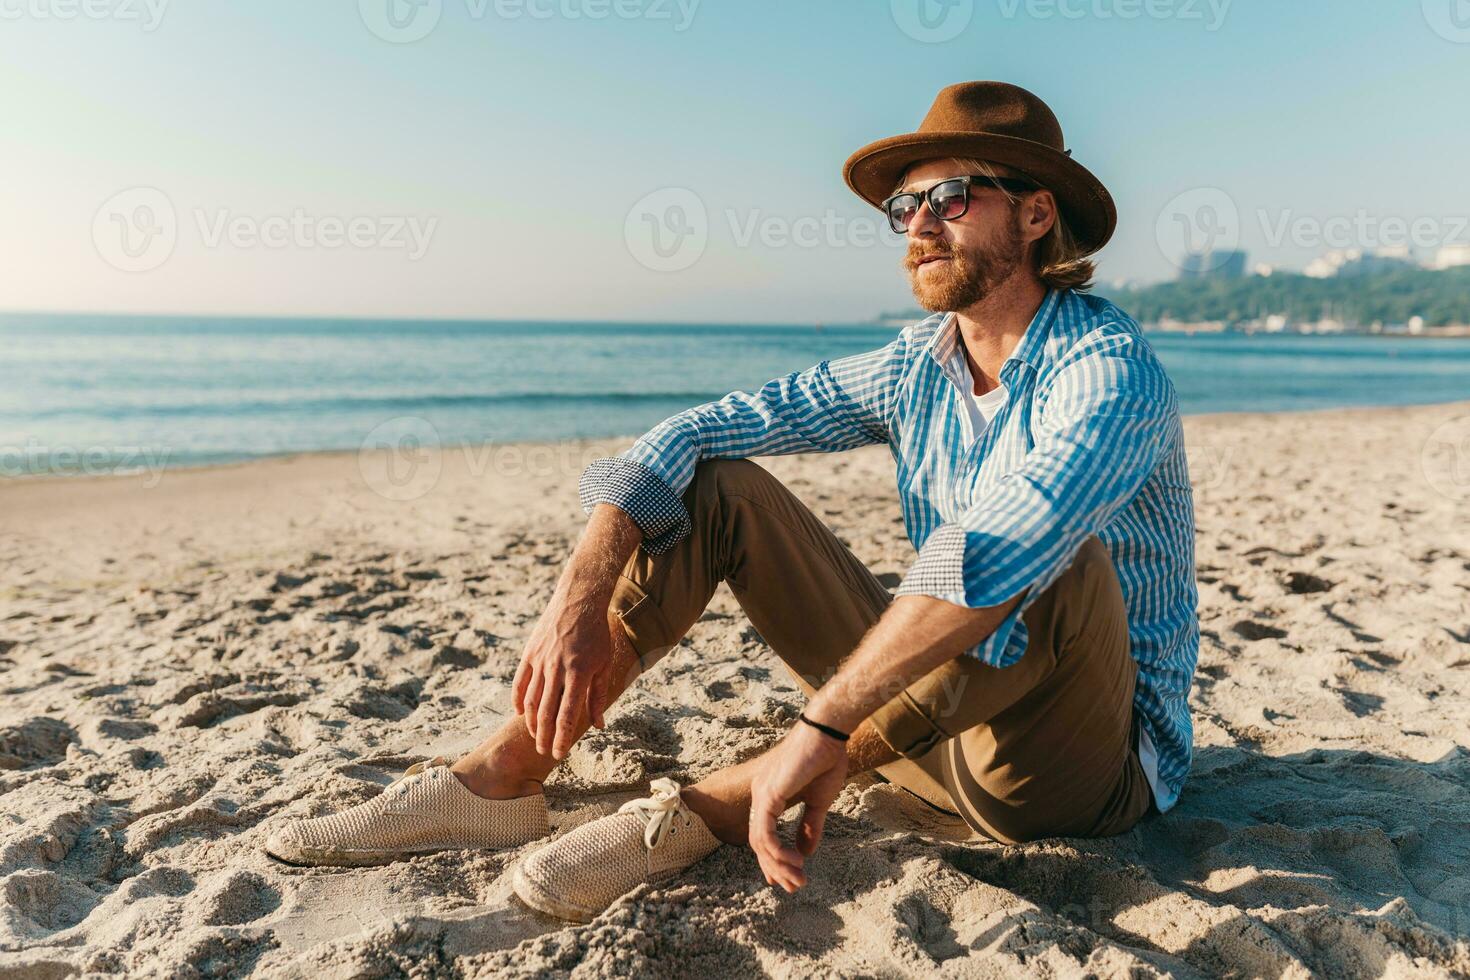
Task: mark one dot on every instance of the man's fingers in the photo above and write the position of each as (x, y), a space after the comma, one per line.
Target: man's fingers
(573, 700)
(810, 835)
(597, 696)
(518, 686)
(782, 875)
(779, 863)
(533, 698)
(762, 829)
(546, 713)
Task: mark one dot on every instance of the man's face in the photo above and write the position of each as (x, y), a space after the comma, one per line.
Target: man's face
(953, 265)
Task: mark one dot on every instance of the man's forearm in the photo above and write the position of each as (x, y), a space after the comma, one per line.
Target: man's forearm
(914, 636)
(591, 574)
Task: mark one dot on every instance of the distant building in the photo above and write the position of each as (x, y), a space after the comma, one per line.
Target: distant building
(1213, 265)
(1168, 324)
(1357, 262)
(1452, 256)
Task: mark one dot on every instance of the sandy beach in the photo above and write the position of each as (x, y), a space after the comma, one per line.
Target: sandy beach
(190, 658)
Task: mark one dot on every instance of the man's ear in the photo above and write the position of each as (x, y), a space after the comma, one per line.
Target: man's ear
(1038, 215)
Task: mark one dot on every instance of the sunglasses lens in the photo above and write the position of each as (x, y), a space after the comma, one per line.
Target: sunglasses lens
(948, 199)
(901, 211)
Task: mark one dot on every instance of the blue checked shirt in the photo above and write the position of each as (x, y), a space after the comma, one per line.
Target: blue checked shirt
(1089, 441)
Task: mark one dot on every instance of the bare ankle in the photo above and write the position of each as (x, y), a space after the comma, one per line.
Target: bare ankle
(729, 821)
(503, 767)
(491, 786)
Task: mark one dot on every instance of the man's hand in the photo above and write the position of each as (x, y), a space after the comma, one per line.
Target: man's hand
(915, 635)
(562, 680)
(804, 767)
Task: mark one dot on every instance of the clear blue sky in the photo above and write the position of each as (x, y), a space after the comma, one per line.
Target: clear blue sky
(520, 143)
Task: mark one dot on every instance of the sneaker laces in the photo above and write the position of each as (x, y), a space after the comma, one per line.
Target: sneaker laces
(418, 767)
(657, 811)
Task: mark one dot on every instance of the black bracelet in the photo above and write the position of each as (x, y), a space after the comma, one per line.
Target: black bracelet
(825, 729)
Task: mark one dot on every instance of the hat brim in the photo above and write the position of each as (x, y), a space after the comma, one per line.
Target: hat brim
(874, 171)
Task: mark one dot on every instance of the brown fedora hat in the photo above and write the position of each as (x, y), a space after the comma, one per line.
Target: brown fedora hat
(998, 123)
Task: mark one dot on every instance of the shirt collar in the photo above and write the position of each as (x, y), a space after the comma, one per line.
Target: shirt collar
(944, 346)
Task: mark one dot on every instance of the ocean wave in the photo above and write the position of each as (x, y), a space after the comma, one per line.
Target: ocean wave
(399, 404)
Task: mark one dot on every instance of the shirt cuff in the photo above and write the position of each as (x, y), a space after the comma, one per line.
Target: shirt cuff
(939, 573)
(639, 492)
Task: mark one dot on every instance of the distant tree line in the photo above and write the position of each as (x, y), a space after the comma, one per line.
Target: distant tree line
(1388, 297)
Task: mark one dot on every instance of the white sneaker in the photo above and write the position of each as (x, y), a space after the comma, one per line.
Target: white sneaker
(579, 875)
(426, 809)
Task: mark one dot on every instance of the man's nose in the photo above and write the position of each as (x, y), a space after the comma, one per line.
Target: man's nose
(924, 224)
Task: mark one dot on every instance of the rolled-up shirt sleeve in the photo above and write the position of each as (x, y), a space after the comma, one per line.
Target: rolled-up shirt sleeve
(833, 406)
(1109, 413)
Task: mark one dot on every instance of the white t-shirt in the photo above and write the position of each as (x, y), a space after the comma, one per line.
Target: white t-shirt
(980, 408)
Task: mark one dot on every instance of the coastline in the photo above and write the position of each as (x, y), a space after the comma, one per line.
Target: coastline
(480, 449)
(189, 663)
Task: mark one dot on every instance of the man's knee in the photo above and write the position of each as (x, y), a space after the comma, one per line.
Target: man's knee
(1086, 600)
(716, 479)
(727, 473)
(1092, 566)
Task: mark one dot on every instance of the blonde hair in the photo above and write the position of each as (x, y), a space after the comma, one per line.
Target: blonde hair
(1060, 261)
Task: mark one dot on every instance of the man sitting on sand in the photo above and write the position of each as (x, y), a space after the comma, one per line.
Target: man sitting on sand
(1031, 674)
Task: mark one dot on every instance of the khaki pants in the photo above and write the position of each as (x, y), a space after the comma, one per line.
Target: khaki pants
(1046, 747)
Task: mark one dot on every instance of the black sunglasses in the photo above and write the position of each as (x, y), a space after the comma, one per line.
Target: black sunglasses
(948, 199)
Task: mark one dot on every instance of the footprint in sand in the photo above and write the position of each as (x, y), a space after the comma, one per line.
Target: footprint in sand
(34, 742)
(1249, 629)
(239, 898)
(42, 901)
